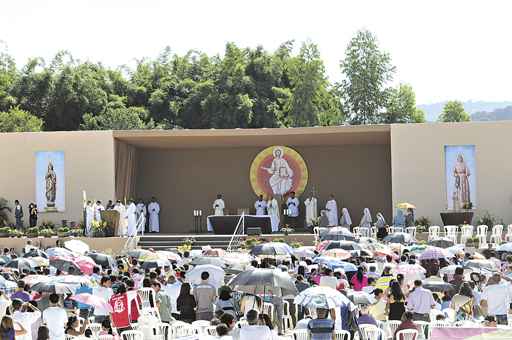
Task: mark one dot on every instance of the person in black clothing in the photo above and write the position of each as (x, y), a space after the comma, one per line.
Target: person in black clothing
(186, 304)
(32, 211)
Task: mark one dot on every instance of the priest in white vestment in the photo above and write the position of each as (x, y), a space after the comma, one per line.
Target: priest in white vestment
(311, 210)
(89, 217)
(273, 211)
(293, 209)
(98, 208)
(261, 206)
(154, 213)
(131, 216)
(332, 211)
(346, 221)
(218, 206)
(141, 208)
(122, 226)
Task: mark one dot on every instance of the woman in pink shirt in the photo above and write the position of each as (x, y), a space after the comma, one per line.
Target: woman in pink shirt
(359, 280)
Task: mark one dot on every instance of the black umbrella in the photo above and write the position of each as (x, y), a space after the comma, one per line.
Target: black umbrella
(64, 264)
(104, 260)
(36, 253)
(338, 234)
(441, 242)
(52, 287)
(438, 285)
(346, 245)
(402, 238)
(263, 281)
(272, 248)
(20, 264)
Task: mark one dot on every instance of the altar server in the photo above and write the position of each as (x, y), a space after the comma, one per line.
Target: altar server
(218, 206)
(131, 216)
(98, 208)
(332, 211)
(141, 208)
(273, 211)
(154, 213)
(89, 217)
(293, 209)
(121, 228)
(261, 206)
(311, 210)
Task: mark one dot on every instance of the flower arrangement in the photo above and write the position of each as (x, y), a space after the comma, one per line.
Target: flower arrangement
(250, 242)
(98, 228)
(46, 232)
(47, 225)
(287, 230)
(4, 231)
(64, 231)
(15, 233)
(186, 246)
(296, 244)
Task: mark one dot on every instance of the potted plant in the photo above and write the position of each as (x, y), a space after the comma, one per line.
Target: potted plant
(296, 244)
(32, 232)
(4, 231)
(98, 228)
(46, 232)
(13, 232)
(287, 230)
(64, 231)
(422, 224)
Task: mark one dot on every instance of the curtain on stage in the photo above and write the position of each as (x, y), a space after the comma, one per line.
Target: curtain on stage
(126, 167)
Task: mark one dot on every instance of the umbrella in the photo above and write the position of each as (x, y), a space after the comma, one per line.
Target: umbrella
(73, 281)
(52, 287)
(3, 261)
(321, 297)
(169, 255)
(216, 261)
(56, 251)
(7, 285)
(333, 263)
(272, 248)
(64, 264)
(303, 252)
(347, 245)
(383, 282)
(401, 238)
(456, 249)
(237, 261)
(104, 260)
(505, 247)
(137, 253)
(39, 261)
(405, 205)
(417, 248)
(338, 253)
(481, 264)
(31, 280)
(92, 300)
(77, 246)
(337, 233)
(214, 252)
(158, 263)
(382, 250)
(20, 264)
(216, 274)
(411, 272)
(85, 263)
(434, 253)
(441, 242)
(264, 281)
(436, 284)
(34, 252)
(361, 298)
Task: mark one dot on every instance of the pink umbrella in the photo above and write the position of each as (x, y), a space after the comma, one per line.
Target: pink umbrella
(92, 300)
(85, 263)
(434, 253)
(338, 253)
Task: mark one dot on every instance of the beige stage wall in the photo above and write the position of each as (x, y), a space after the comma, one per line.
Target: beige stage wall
(418, 169)
(89, 165)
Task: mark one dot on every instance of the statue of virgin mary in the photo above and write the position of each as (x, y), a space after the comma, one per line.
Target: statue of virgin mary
(51, 186)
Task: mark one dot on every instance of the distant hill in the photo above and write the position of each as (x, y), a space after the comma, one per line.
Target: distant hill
(432, 111)
(498, 114)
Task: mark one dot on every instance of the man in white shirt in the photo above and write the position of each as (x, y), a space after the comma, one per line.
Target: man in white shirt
(496, 299)
(105, 292)
(253, 330)
(292, 204)
(420, 302)
(172, 289)
(98, 208)
(26, 314)
(218, 206)
(260, 205)
(55, 318)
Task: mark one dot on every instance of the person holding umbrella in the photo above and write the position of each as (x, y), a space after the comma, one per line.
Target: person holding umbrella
(321, 328)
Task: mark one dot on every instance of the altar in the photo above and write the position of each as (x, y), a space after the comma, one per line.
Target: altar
(226, 224)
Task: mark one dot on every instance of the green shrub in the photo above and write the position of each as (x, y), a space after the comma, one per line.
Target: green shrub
(296, 244)
(488, 219)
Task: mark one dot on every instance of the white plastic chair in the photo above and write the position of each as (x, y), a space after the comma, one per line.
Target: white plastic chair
(132, 335)
(316, 233)
(466, 232)
(374, 232)
(433, 232)
(145, 294)
(369, 332)
(423, 326)
(162, 331)
(69, 337)
(508, 235)
(394, 229)
(180, 329)
(340, 334)
(95, 329)
(407, 334)
(450, 232)
(356, 232)
(287, 317)
(365, 232)
(200, 326)
(411, 231)
(268, 309)
(496, 234)
(105, 337)
(211, 330)
(391, 327)
(301, 334)
(481, 233)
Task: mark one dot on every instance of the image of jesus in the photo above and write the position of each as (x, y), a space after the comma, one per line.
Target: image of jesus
(281, 179)
(461, 190)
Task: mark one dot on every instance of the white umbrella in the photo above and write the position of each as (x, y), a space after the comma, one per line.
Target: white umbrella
(61, 252)
(411, 272)
(303, 252)
(322, 297)
(507, 247)
(77, 246)
(216, 274)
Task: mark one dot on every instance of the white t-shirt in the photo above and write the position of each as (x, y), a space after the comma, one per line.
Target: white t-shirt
(55, 319)
(104, 293)
(173, 291)
(4, 303)
(498, 298)
(255, 332)
(328, 281)
(26, 320)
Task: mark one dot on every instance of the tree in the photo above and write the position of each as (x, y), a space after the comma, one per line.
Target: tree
(453, 111)
(17, 120)
(401, 106)
(8, 76)
(121, 118)
(366, 70)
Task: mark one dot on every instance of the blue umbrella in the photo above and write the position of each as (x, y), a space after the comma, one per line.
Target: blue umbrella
(334, 263)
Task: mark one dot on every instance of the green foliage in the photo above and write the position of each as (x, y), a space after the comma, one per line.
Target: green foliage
(423, 221)
(17, 120)
(47, 225)
(250, 242)
(453, 111)
(296, 244)
(488, 219)
(401, 106)
(118, 119)
(4, 212)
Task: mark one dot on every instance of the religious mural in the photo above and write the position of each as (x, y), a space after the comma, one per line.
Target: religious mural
(278, 170)
(50, 181)
(460, 168)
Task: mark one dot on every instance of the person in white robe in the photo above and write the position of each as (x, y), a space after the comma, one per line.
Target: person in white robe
(141, 208)
(218, 206)
(98, 208)
(123, 223)
(366, 220)
(293, 209)
(154, 216)
(332, 211)
(131, 216)
(311, 210)
(89, 217)
(273, 211)
(261, 206)
(346, 221)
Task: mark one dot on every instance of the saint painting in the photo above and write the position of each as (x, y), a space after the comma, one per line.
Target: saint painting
(281, 179)
(50, 181)
(460, 176)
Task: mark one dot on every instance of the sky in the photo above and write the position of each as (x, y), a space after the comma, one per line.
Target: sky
(449, 49)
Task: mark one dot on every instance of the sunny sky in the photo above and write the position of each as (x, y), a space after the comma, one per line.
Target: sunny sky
(448, 49)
